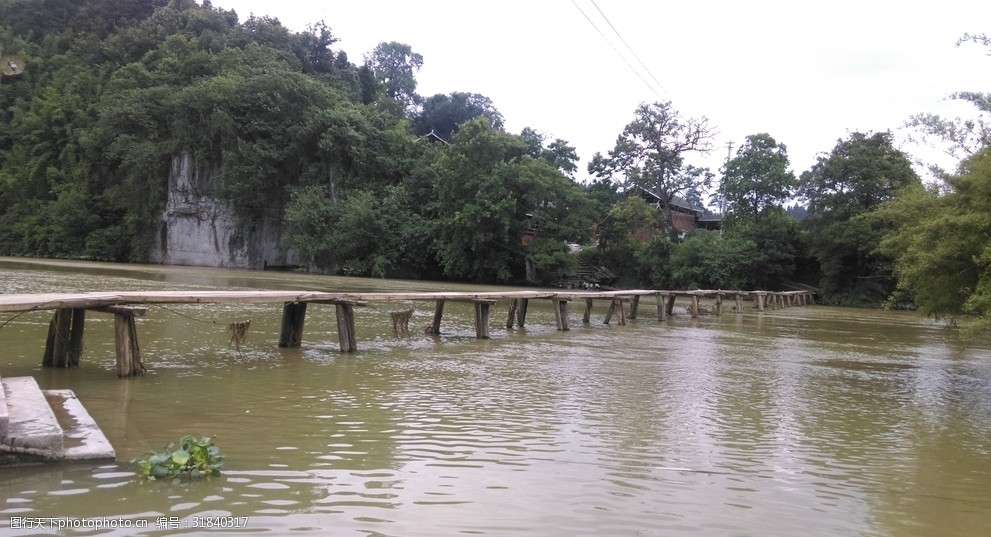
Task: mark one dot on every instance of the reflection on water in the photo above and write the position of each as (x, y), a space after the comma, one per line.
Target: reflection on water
(811, 421)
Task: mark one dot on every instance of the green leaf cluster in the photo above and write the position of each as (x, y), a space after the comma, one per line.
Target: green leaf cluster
(842, 191)
(942, 243)
(190, 459)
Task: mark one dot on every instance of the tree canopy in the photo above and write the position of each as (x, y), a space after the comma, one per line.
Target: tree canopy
(441, 115)
(757, 179)
(650, 154)
(109, 95)
(860, 173)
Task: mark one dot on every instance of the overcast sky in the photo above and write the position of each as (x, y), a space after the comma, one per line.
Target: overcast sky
(807, 73)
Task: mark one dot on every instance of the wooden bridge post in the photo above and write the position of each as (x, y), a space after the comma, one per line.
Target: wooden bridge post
(661, 310)
(560, 313)
(345, 327)
(76, 336)
(293, 316)
(513, 305)
(586, 318)
(695, 306)
(719, 304)
(634, 306)
(669, 307)
(616, 303)
(126, 342)
(64, 345)
(739, 303)
(438, 313)
(759, 297)
(482, 320)
(521, 312)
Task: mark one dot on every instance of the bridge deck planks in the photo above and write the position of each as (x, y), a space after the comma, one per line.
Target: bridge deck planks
(51, 301)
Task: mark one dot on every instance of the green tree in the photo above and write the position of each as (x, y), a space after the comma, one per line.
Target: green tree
(778, 249)
(858, 175)
(442, 114)
(558, 153)
(650, 154)
(708, 260)
(487, 193)
(942, 244)
(364, 233)
(757, 179)
(395, 65)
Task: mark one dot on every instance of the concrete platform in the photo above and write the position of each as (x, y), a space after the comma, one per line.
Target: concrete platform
(82, 440)
(32, 426)
(49, 426)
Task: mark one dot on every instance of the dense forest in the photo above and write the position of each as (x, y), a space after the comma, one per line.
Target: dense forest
(367, 177)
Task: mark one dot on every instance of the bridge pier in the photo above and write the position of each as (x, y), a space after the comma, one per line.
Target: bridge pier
(482, 319)
(293, 316)
(345, 327)
(560, 313)
(661, 309)
(617, 303)
(128, 352)
(64, 345)
(434, 327)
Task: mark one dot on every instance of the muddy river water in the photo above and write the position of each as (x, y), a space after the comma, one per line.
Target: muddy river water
(802, 421)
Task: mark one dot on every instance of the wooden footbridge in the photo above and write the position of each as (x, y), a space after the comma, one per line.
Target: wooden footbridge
(65, 335)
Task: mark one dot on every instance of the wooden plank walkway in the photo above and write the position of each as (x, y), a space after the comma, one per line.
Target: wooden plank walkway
(64, 343)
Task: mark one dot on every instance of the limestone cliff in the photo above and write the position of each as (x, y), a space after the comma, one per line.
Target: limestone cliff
(198, 229)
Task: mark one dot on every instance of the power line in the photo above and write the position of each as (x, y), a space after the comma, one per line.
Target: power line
(618, 53)
(628, 47)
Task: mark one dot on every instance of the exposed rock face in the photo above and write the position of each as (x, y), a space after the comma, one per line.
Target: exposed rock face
(197, 229)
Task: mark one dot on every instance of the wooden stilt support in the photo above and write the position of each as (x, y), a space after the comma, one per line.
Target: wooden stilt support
(634, 306)
(586, 318)
(695, 306)
(561, 313)
(759, 297)
(661, 310)
(57, 344)
(482, 320)
(345, 327)
(293, 316)
(76, 337)
(669, 307)
(64, 345)
(438, 313)
(617, 303)
(610, 312)
(128, 352)
(521, 313)
(513, 305)
(739, 303)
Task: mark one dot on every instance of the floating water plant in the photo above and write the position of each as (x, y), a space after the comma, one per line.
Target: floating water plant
(191, 459)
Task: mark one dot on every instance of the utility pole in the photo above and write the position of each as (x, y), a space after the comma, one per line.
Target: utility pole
(722, 196)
